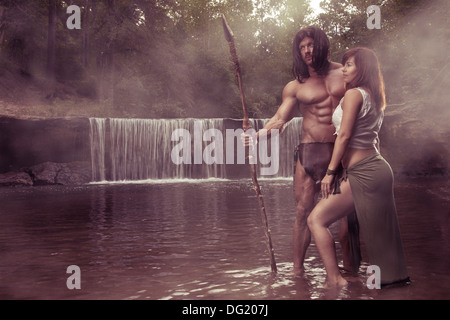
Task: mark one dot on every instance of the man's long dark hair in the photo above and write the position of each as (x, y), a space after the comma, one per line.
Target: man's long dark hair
(320, 55)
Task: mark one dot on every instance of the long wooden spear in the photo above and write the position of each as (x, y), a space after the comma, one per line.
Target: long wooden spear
(246, 125)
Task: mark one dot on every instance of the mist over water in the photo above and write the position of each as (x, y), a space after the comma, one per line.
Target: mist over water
(414, 61)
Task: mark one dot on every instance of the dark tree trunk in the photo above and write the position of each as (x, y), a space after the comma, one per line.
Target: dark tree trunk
(51, 40)
(86, 24)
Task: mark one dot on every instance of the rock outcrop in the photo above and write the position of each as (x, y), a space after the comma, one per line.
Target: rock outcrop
(15, 179)
(48, 173)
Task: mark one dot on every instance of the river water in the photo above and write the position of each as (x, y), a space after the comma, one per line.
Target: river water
(195, 239)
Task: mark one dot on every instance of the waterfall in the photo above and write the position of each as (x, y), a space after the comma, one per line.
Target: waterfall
(97, 137)
(141, 149)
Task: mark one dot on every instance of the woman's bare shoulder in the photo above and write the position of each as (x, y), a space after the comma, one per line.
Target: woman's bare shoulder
(353, 97)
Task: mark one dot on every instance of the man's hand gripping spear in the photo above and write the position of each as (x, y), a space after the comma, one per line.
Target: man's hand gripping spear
(246, 126)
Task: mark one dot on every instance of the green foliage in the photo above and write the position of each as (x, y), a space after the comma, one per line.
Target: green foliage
(168, 58)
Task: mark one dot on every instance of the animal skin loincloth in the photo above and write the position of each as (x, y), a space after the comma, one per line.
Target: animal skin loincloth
(314, 157)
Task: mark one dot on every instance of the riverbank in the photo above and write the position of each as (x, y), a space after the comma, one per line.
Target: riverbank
(57, 109)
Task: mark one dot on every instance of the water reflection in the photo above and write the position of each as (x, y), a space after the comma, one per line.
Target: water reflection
(192, 240)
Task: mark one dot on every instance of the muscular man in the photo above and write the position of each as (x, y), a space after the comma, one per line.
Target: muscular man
(316, 92)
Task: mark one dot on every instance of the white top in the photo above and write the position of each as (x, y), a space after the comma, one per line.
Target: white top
(367, 125)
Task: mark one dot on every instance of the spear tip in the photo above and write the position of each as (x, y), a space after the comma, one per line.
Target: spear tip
(226, 28)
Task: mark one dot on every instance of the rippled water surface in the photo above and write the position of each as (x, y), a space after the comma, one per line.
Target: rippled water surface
(194, 240)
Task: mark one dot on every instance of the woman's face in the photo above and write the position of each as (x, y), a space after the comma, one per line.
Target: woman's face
(349, 71)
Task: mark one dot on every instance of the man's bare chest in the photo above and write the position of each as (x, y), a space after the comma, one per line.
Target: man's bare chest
(319, 91)
(313, 92)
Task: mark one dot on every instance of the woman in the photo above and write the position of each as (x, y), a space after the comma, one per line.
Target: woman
(367, 182)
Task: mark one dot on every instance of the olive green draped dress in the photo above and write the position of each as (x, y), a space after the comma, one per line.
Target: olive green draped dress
(371, 182)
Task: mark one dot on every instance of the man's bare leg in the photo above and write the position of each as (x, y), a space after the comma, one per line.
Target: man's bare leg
(305, 191)
(345, 245)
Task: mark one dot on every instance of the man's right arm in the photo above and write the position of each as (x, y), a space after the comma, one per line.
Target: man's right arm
(287, 110)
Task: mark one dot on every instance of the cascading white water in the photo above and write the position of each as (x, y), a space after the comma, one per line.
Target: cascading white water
(97, 137)
(141, 149)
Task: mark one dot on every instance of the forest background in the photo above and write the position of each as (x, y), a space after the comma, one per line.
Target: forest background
(169, 58)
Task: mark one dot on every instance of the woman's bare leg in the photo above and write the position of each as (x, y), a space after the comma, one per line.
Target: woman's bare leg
(323, 215)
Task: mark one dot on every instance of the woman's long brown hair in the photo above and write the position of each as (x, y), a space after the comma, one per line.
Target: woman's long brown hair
(368, 74)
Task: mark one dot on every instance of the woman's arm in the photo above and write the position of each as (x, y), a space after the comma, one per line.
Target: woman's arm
(350, 106)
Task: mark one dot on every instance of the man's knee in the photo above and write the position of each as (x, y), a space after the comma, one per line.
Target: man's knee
(302, 212)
